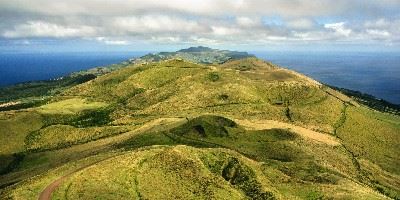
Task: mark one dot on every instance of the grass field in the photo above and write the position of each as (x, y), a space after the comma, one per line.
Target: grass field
(243, 129)
(69, 106)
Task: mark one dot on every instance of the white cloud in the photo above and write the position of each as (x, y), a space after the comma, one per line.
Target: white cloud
(310, 35)
(112, 42)
(378, 34)
(248, 22)
(339, 28)
(166, 39)
(45, 29)
(120, 22)
(203, 7)
(157, 24)
(380, 23)
(224, 31)
(301, 23)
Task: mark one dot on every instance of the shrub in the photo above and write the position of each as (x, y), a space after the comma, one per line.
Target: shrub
(213, 76)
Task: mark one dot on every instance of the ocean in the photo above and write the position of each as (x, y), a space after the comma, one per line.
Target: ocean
(22, 67)
(377, 74)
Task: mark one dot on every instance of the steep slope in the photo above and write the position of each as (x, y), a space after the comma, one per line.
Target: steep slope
(242, 129)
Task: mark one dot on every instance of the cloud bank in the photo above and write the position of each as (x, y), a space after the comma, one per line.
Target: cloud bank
(208, 22)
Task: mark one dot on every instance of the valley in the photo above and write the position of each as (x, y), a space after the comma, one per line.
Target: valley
(195, 124)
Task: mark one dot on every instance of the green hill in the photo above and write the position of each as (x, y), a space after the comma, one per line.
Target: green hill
(170, 125)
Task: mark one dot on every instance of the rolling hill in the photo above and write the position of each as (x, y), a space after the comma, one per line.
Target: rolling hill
(199, 123)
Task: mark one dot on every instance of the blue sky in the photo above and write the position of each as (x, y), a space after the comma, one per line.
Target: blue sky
(151, 25)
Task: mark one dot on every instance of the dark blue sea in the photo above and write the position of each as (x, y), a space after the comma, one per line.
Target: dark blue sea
(373, 73)
(377, 74)
(22, 67)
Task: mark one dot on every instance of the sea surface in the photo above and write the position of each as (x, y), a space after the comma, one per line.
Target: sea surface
(377, 74)
(22, 67)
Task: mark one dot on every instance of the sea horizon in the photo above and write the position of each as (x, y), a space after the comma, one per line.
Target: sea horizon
(374, 73)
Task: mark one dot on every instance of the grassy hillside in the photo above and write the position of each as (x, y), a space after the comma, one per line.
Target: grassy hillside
(244, 129)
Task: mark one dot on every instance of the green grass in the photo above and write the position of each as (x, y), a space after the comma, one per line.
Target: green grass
(15, 128)
(189, 173)
(224, 165)
(62, 136)
(115, 112)
(70, 106)
(374, 136)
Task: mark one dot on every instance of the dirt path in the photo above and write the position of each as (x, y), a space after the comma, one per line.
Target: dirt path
(47, 192)
(304, 132)
(261, 124)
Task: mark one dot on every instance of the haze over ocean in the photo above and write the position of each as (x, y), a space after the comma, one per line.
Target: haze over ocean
(377, 74)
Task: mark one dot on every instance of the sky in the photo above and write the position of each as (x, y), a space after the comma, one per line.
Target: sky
(155, 25)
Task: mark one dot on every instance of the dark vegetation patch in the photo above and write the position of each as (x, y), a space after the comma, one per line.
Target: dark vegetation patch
(214, 131)
(223, 97)
(244, 178)
(147, 139)
(86, 118)
(25, 104)
(308, 170)
(200, 130)
(315, 195)
(41, 88)
(386, 191)
(92, 118)
(214, 126)
(237, 174)
(370, 101)
(213, 76)
(244, 67)
(10, 162)
(288, 114)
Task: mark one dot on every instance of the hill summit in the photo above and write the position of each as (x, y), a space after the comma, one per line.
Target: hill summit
(196, 49)
(199, 124)
(200, 54)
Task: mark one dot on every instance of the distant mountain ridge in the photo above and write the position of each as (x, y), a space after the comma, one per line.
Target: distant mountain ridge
(196, 49)
(200, 54)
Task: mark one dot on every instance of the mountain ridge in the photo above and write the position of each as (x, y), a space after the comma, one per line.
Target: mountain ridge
(245, 128)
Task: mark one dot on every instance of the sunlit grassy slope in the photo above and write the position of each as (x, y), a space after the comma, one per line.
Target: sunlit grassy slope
(179, 130)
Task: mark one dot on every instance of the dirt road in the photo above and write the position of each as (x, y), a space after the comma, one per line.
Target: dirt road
(46, 193)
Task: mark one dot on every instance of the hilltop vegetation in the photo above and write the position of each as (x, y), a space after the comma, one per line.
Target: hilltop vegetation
(174, 127)
(36, 93)
(371, 101)
(200, 54)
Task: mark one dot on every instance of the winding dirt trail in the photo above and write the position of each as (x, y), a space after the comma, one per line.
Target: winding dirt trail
(260, 124)
(47, 192)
